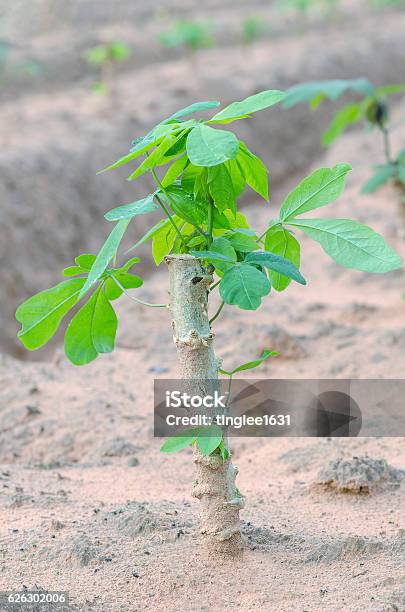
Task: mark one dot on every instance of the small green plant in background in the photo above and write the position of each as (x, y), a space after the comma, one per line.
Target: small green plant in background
(12, 66)
(372, 109)
(378, 4)
(199, 172)
(305, 7)
(253, 29)
(192, 35)
(104, 57)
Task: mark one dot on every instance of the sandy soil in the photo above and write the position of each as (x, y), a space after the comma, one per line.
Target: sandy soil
(88, 504)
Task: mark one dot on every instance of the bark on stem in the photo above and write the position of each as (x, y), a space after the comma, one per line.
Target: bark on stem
(215, 479)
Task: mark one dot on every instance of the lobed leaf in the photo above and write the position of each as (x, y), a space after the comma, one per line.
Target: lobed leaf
(128, 281)
(92, 330)
(86, 260)
(41, 315)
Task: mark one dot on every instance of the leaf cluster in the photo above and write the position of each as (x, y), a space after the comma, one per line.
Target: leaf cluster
(200, 170)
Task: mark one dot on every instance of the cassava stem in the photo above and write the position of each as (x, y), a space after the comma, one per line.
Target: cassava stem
(215, 479)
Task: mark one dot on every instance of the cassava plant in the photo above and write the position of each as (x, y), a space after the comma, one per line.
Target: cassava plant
(104, 57)
(372, 109)
(208, 247)
(192, 35)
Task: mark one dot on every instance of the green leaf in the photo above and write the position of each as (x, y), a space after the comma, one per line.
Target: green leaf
(319, 189)
(156, 158)
(212, 256)
(281, 242)
(351, 244)
(244, 285)
(150, 233)
(175, 170)
(184, 205)
(190, 175)
(195, 241)
(42, 313)
(86, 260)
(162, 243)
(129, 281)
(73, 271)
(388, 90)
(179, 146)
(127, 211)
(237, 178)
(128, 265)
(401, 173)
(238, 222)
(207, 146)
(197, 107)
(382, 176)
(242, 242)
(346, 116)
(106, 254)
(223, 246)
(254, 171)
(142, 145)
(222, 220)
(92, 330)
(306, 92)
(252, 104)
(251, 364)
(277, 263)
(221, 188)
(224, 452)
(208, 439)
(176, 443)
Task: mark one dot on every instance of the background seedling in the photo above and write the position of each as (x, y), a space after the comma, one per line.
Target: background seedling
(104, 57)
(192, 35)
(253, 29)
(199, 171)
(304, 7)
(12, 66)
(372, 110)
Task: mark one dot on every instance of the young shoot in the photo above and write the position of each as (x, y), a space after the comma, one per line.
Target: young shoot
(200, 170)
